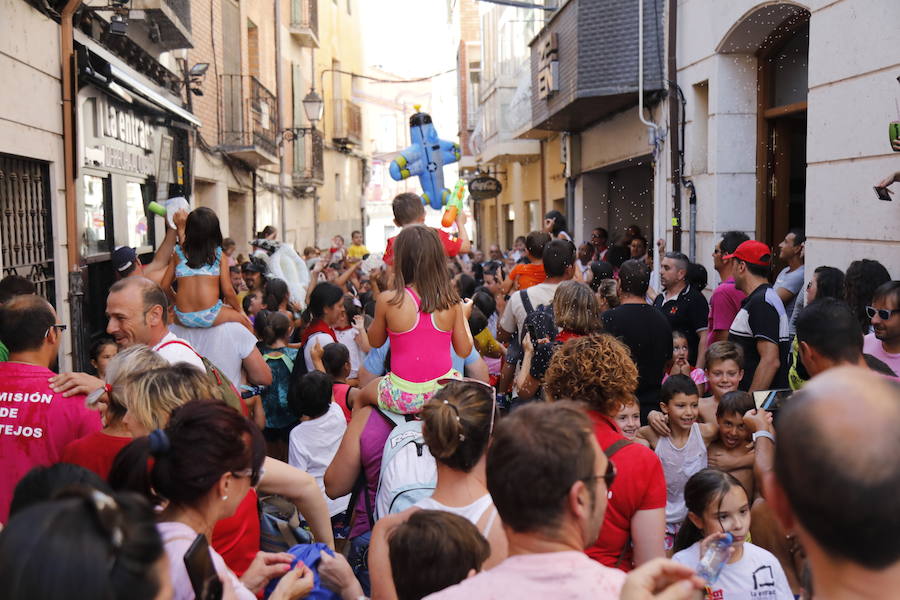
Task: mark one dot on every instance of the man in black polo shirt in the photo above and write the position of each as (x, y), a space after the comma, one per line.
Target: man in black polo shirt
(761, 326)
(685, 307)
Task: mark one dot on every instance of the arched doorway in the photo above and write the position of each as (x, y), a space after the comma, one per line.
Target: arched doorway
(778, 35)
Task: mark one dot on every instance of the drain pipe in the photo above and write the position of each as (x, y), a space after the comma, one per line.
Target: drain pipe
(279, 119)
(67, 60)
(652, 130)
(68, 78)
(674, 142)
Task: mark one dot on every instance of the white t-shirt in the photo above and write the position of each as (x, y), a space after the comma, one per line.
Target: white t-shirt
(312, 447)
(514, 315)
(323, 338)
(225, 345)
(176, 353)
(348, 337)
(757, 576)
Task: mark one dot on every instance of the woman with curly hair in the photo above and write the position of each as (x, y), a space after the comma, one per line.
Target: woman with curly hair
(597, 370)
(860, 281)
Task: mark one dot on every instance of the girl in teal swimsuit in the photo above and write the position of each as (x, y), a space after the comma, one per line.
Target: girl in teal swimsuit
(203, 277)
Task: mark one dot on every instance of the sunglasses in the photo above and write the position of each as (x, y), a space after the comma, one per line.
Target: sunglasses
(255, 476)
(607, 477)
(883, 313)
(488, 386)
(59, 328)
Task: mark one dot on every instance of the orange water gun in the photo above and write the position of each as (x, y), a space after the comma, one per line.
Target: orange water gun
(454, 203)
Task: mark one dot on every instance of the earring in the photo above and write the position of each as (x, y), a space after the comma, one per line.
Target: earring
(224, 498)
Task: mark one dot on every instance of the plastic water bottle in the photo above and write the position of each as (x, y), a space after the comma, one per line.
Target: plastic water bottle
(714, 559)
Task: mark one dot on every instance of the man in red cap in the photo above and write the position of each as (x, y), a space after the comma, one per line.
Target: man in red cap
(761, 326)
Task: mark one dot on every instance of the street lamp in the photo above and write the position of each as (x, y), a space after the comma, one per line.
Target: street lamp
(313, 106)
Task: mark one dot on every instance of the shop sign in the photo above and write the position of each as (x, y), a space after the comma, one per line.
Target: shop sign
(484, 187)
(123, 125)
(548, 67)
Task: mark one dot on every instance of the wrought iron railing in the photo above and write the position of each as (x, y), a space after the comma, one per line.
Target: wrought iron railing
(249, 113)
(26, 231)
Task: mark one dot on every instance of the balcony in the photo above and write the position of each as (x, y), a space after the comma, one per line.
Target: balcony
(172, 17)
(305, 22)
(309, 163)
(347, 120)
(249, 117)
(584, 63)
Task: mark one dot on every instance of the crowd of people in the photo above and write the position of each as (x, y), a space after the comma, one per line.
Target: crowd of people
(549, 421)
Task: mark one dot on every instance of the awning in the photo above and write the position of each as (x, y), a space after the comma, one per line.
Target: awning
(152, 96)
(129, 78)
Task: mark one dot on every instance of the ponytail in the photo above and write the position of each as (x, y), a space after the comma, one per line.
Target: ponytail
(701, 490)
(271, 326)
(457, 424)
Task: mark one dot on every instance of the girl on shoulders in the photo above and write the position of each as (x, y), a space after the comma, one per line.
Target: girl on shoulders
(422, 316)
(203, 277)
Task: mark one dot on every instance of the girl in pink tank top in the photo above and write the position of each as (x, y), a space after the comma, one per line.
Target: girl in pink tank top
(422, 316)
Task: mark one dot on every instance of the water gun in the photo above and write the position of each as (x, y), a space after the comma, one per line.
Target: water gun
(169, 208)
(454, 203)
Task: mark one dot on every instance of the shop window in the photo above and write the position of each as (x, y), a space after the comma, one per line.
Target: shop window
(136, 217)
(96, 224)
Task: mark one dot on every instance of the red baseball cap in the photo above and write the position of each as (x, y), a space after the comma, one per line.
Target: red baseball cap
(753, 252)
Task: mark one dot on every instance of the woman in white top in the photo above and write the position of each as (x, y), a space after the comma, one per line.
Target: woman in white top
(457, 425)
(204, 463)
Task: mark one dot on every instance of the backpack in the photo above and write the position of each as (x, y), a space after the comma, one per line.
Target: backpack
(218, 379)
(275, 396)
(408, 470)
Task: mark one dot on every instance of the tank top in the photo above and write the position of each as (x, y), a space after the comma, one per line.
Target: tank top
(678, 465)
(472, 512)
(422, 353)
(371, 448)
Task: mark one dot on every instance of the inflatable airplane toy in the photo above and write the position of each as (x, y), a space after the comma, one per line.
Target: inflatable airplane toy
(425, 159)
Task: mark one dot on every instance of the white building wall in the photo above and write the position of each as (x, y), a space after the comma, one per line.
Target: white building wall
(31, 119)
(853, 95)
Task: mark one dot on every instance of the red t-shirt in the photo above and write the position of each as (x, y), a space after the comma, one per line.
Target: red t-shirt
(96, 452)
(640, 485)
(237, 537)
(451, 246)
(340, 391)
(36, 424)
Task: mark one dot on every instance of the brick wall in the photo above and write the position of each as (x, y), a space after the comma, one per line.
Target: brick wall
(206, 25)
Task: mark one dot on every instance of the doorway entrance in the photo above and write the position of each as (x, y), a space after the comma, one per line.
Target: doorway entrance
(781, 153)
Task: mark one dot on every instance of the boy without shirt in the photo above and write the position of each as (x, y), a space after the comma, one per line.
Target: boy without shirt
(731, 451)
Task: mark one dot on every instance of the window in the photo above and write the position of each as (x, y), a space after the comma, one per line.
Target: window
(138, 235)
(699, 135)
(253, 48)
(97, 216)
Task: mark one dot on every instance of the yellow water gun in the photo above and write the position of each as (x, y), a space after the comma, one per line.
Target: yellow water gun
(454, 203)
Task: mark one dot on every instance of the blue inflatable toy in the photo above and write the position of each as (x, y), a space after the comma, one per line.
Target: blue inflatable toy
(425, 159)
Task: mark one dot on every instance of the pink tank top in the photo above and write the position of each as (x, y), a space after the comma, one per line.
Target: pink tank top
(422, 353)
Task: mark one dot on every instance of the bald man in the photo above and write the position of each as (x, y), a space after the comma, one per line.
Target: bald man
(836, 480)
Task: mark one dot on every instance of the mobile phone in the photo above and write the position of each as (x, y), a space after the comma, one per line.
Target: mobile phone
(202, 573)
(882, 193)
(771, 400)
